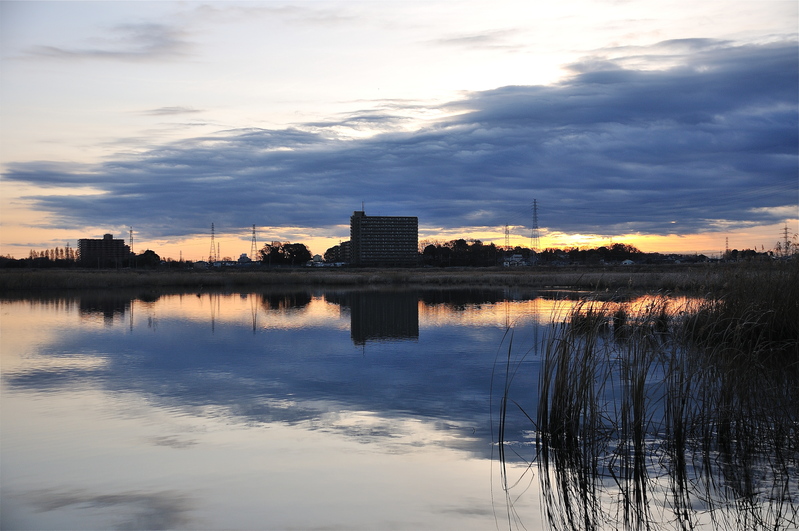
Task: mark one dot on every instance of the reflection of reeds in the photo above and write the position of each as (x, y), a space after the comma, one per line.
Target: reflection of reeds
(654, 417)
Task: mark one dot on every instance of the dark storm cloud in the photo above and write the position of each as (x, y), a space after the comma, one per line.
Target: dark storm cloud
(711, 142)
(47, 174)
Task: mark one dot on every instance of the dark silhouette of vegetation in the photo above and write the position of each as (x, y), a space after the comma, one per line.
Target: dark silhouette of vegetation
(67, 258)
(757, 310)
(616, 253)
(286, 301)
(279, 253)
(454, 253)
(460, 253)
(58, 257)
(474, 253)
(747, 255)
(335, 254)
(148, 260)
(658, 414)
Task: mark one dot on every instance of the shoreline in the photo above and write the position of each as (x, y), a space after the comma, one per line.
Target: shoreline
(681, 278)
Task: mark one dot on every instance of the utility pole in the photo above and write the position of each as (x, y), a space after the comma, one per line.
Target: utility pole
(534, 237)
(785, 248)
(254, 246)
(507, 238)
(130, 247)
(212, 253)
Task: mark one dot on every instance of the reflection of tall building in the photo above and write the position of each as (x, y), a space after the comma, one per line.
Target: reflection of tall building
(103, 253)
(383, 240)
(377, 316)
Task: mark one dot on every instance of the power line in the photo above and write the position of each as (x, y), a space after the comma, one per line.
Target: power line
(535, 236)
(212, 254)
(785, 248)
(254, 246)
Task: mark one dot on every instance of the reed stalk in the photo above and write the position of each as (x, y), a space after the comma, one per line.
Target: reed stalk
(660, 416)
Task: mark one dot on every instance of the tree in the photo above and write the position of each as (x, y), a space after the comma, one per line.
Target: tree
(148, 259)
(278, 253)
(296, 253)
(333, 254)
(270, 253)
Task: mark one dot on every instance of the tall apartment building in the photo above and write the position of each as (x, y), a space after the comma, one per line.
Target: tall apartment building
(383, 240)
(107, 252)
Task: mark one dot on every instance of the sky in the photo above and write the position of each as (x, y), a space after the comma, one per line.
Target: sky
(669, 125)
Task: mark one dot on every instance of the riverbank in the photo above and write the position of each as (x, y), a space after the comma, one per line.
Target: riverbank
(696, 278)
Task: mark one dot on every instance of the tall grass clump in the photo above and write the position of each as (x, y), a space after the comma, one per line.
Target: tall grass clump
(664, 414)
(755, 311)
(593, 420)
(675, 278)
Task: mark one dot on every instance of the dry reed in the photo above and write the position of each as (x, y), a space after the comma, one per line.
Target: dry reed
(697, 278)
(662, 417)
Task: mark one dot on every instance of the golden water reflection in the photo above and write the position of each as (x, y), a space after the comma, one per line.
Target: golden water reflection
(366, 310)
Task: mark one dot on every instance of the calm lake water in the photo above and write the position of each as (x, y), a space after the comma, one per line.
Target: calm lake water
(297, 410)
(327, 409)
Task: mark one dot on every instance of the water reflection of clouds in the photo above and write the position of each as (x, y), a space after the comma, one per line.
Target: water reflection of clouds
(172, 441)
(51, 378)
(419, 399)
(292, 374)
(29, 324)
(301, 365)
(243, 475)
(131, 510)
(396, 434)
(299, 378)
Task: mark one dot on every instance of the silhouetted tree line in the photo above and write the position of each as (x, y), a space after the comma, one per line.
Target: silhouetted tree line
(454, 253)
(460, 253)
(67, 258)
(475, 253)
(336, 253)
(60, 257)
(618, 252)
(279, 253)
(747, 255)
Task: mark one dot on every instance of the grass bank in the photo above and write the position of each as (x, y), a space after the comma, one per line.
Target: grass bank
(700, 278)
